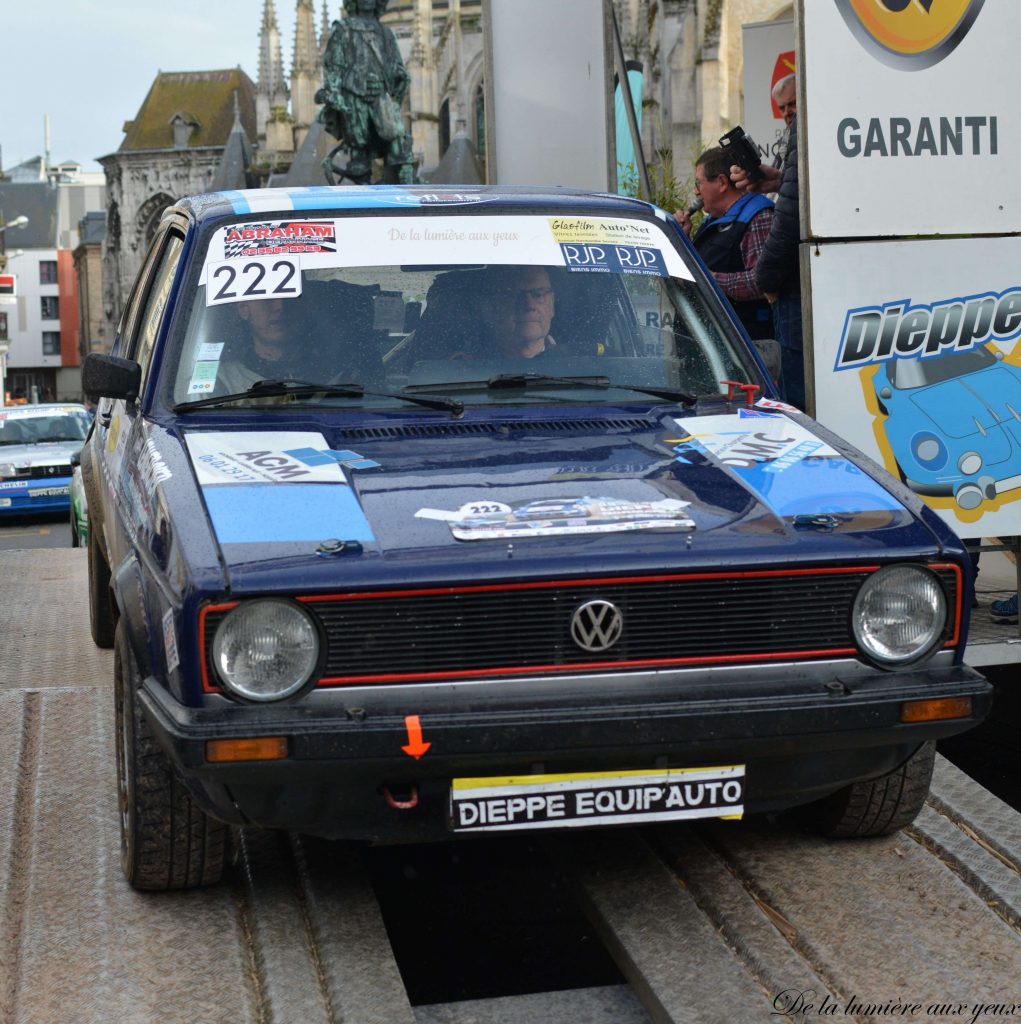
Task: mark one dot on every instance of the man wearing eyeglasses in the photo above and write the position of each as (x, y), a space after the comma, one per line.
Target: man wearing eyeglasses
(731, 238)
(517, 310)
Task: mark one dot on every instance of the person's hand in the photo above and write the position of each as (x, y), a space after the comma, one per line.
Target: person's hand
(771, 297)
(682, 218)
(770, 179)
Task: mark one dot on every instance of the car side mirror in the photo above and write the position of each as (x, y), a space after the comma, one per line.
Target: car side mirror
(111, 377)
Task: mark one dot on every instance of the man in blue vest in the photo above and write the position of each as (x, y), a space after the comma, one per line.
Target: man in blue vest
(731, 238)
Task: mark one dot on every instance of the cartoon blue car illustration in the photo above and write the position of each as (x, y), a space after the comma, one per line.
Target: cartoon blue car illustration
(954, 424)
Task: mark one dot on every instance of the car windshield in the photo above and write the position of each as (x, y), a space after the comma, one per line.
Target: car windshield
(905, 374)
(437, 305)
(31, 427)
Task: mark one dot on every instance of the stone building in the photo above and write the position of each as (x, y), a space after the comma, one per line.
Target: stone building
(93, 331)
(173, 147)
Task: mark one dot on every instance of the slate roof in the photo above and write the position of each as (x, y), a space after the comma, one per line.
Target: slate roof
(38, 202)
(205, 96)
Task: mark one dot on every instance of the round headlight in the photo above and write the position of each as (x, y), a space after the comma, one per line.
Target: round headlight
(266, 649)
(899, 614)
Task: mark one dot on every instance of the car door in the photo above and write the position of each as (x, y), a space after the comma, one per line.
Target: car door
(119, 421)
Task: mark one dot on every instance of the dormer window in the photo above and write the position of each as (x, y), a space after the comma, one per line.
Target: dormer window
(183, 124)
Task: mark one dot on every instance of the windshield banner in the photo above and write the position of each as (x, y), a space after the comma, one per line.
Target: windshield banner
(264, 259)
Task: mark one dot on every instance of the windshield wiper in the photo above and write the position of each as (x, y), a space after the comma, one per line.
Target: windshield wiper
(529, 380)
(305, 389)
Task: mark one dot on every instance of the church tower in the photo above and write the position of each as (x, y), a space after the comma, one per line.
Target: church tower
(271, 95)
(306, 70)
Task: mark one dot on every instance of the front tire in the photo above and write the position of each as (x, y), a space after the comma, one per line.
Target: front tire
(880, 806)
(101, 622)
(167, 842)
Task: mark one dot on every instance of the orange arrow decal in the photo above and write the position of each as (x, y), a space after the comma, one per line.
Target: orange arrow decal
(415, 747)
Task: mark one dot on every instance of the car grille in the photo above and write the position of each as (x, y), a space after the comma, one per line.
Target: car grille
(525, 628)
(40, 472)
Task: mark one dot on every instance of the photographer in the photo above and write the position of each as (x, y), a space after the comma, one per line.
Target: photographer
(731, 238)
(777, 272)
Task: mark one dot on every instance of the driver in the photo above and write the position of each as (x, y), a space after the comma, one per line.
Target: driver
(516, 313)
(270, 348)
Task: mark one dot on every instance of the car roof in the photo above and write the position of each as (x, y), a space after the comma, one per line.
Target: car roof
(420, 198)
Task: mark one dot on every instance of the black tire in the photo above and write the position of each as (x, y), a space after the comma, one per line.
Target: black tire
(101, 619)
(167, 842)
(880, 806)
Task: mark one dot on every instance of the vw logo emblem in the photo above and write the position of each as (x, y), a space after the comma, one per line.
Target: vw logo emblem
(596, 625)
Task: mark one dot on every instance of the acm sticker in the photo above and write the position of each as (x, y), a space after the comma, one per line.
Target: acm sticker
(909, 34)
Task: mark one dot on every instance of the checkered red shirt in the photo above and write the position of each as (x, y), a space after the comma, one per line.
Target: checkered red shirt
(740, 285)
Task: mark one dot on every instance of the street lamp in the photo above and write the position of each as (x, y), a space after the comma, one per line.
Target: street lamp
(18, 222)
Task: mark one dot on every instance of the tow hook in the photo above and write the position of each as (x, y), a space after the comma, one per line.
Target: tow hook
(406, 801)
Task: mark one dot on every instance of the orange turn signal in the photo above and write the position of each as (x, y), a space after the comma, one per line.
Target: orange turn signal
(254, 748)
(935, 710)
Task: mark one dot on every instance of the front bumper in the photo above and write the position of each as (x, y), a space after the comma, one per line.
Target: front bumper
(801, 730)
(23, 498)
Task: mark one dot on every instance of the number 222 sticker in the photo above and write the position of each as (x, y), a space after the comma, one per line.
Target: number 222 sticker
(260, 277)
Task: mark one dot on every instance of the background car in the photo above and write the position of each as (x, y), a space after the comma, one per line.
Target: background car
(36, 445)
(79, 505)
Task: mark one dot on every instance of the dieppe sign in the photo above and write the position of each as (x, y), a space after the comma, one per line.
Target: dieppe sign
(905, 114)
(916, 341)
(921, 368)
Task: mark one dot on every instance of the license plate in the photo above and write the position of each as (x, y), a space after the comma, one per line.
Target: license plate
(585, 799)
(48, 492)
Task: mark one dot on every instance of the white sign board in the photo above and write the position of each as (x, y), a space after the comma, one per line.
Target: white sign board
(911, 117)
(549, 93)
(768, 48)
(918, 363)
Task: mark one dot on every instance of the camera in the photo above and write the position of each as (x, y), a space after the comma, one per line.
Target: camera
(743, 151)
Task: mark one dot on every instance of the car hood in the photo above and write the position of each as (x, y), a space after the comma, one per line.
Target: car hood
(43, 453)
(970, 405)
(326, 508)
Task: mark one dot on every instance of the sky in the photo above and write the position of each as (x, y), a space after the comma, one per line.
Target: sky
(89, 64)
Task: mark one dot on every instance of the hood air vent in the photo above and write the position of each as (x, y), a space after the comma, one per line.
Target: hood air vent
(606, 426)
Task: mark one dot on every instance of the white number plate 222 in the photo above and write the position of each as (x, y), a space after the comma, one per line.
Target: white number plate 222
(257, 277)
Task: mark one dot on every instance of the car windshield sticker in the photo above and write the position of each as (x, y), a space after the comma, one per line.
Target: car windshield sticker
(238, 268)
(253, 278)
(277, 237)
(559, 517)
(606, 245)
(276, 486)
(785, 464)
(19, 412)
(203, 373)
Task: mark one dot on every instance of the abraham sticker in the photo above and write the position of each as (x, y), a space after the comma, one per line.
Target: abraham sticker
(281, 236)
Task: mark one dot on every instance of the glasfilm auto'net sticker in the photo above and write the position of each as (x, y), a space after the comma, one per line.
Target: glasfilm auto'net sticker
(791, 469)
(560, 517)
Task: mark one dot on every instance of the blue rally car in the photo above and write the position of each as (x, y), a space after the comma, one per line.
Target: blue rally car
(37, 445)
(409, 518)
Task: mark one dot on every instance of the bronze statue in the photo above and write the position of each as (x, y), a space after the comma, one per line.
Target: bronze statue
(364, 82)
